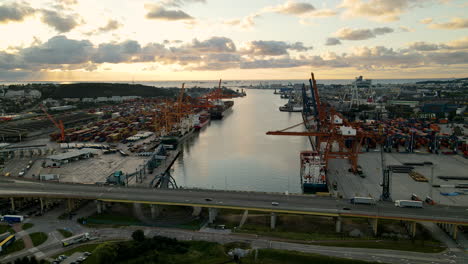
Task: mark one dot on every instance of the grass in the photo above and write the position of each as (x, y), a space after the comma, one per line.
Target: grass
(65, 233)
(404, 245)
(81, 248)
(27, 226)
(38, 238)
(113, 219)
(16, 246)
(271, 256)
(6, 228)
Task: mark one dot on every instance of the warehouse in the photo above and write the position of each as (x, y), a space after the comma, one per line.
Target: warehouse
(67, 157)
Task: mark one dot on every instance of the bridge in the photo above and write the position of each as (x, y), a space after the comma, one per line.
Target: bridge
(450, 217)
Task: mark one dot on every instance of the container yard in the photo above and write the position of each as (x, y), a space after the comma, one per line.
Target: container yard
(130, 143)
(385, 158)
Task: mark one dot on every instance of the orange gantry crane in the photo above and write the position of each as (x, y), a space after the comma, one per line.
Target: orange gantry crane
(58, 124)
(341, 139)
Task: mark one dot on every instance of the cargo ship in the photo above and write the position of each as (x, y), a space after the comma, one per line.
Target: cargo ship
(313, 174)
(216, 112)
(203, 120)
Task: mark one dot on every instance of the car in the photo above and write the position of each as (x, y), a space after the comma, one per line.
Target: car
(28, 167)
(21, 173)
(346, 208)
(87, 253)
(275, 203)
(208, 199)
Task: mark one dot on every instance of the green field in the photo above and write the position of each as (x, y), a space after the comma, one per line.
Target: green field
(6, 228)
(170, 251)
(38, 238)
(272, 256)
(16, 246)
(65, 233)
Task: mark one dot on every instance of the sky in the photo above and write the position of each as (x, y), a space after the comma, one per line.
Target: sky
(151, 40)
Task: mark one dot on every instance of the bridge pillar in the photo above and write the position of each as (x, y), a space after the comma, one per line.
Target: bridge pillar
(338, 224)
(196, 210)
(12, 200)
(413, 229)
(273, 220)
(454, 231)
(99, 206)
(374, 224)
(42, 205)
(69, 205)
(154, 211)
(212, 213)
(244, 218)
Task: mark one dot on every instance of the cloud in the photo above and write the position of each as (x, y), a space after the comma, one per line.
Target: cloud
(67, 2)
(272, 48)
(361, 34)
(61, 23)
(381, 10)
(423, 46)
(179, 3)
(291, 8)
(58, 50)
(220, 53)
(458, 44)
(426, 20)
(158, 12)
(111, 25)
(333, 42)
(116, 52)
(455, 23)
(406, 29)
(15, 12)
(247, 22)
(214, 44)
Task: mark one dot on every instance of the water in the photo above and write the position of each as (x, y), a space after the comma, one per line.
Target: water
(235, 153)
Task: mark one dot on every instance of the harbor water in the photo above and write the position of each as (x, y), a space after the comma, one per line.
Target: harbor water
(236, 154)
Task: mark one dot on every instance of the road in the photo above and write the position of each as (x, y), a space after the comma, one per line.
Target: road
(376, 255)
(300, 204)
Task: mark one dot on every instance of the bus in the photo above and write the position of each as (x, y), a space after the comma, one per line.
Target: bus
(6, 242)
(75, 239)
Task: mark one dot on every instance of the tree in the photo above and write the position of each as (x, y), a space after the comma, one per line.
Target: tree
(138, 235)
(107, 252)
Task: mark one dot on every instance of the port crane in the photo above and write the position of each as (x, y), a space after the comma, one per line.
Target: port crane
(58, 124)
(335, 136)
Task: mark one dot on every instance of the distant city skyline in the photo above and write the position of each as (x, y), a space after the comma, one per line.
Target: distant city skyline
(117, 40)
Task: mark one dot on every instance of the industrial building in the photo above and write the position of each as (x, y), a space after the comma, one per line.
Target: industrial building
(67, 157)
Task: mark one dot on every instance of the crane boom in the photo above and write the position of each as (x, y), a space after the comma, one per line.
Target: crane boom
(58, 125)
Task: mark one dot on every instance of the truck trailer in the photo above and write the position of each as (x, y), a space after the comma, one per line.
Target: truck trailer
(12, 218)
(408, 203)
(362, 200)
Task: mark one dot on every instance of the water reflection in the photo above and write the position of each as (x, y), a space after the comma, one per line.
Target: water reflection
(235, 153)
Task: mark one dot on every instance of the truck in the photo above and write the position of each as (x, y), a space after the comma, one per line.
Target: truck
(408, 203)
(12, 218)
(362, 200)
(75, 239)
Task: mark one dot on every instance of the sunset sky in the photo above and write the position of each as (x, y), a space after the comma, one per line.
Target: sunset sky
(121, 40)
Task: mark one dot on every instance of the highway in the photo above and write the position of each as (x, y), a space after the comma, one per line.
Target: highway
(298, 204)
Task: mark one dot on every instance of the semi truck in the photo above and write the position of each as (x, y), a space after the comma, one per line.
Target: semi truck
(362, 200)
(6, 242)
(75, 239)
(12, 218)
(408, 203)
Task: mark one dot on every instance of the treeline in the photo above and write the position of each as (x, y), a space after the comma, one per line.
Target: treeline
(439, 82)
(92, 90)
(26, 260)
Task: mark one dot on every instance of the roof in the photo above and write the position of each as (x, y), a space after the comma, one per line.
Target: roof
(71, 154)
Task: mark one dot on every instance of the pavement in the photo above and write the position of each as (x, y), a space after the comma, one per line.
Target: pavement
(402, 185)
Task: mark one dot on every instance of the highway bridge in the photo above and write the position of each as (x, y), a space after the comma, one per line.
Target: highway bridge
(295, 204)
